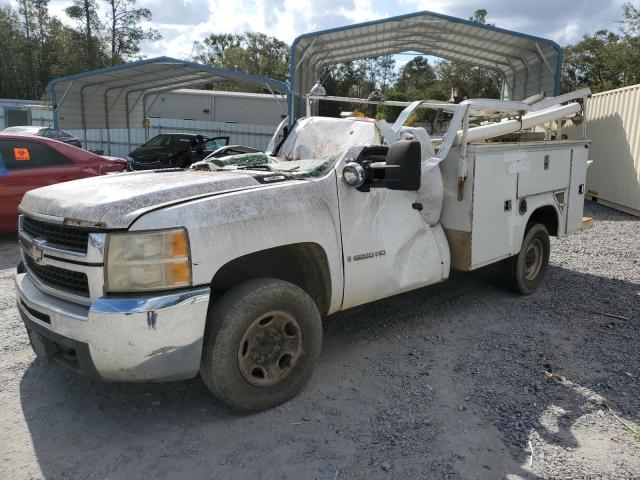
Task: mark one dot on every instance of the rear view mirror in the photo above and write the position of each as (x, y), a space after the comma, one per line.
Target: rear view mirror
(402, 170)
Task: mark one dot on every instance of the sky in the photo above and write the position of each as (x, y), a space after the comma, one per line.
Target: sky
(181, 22)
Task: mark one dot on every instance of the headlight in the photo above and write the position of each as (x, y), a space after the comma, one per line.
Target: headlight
(147, 261)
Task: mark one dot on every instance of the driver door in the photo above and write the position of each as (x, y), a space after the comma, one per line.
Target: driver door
(387, 246)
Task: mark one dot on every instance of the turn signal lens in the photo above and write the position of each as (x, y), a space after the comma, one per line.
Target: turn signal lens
(181, 273)
(179, 244)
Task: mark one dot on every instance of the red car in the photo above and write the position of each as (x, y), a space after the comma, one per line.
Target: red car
(29, 161)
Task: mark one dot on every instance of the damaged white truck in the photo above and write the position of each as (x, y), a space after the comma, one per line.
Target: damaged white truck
(225, 270)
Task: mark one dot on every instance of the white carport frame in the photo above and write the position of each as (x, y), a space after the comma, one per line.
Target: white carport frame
(526, 64)
(116, 97)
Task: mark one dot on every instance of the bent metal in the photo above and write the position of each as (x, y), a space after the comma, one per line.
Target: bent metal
(216, 271)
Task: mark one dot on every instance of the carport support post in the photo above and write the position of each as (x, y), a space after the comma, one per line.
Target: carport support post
(52, 99)
(145, 124)
(144, 112)
(106, 118)
(126, 106)
(84, 120)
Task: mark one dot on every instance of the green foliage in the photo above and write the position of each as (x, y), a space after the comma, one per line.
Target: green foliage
(605, 60)
(415, 77)
(253, 52)
(124, 31)
(85, 12)
(36, 47)
(391, 113)
(385, 68)
(471, 82)
(479, 16)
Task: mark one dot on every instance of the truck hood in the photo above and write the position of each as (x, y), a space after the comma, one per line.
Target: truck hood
(115, 201)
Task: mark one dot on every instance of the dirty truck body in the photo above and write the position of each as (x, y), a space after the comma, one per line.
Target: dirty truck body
(226, 272)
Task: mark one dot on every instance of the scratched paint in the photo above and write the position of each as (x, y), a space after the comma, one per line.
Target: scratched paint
(116, 200)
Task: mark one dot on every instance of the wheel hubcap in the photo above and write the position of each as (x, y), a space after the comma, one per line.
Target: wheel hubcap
(533, 259)
(270, 348)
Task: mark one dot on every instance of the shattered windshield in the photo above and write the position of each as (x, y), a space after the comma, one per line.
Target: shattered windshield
(294, 168)
(310, 149)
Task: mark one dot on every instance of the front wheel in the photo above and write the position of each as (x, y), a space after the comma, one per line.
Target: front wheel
(525, 272)
(262, 341)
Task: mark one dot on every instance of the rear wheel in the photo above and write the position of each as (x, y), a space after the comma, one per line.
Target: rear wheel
(525, 272)
(262, 341)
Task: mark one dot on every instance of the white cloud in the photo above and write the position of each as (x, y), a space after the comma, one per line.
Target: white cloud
(181, 22)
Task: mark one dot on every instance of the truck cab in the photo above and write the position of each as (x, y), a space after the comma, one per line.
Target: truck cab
(227, 268)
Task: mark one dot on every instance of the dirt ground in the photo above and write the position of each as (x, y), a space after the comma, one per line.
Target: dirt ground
(459, 380)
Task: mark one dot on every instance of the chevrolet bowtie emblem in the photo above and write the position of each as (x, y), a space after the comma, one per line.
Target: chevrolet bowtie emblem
(36, 250)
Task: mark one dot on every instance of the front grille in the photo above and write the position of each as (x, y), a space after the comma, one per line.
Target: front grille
(75, 283)
(63, 236)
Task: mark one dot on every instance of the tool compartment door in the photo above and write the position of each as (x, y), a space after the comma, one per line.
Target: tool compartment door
(579, 160)
(494, 208)
(544, 171)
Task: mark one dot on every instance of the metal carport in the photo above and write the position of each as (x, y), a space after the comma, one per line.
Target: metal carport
(116, 97)
(527, 64)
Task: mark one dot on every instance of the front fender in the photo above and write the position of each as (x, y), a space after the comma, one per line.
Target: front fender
(229, 226)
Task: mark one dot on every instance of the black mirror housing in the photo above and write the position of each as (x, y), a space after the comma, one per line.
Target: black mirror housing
(403, 169)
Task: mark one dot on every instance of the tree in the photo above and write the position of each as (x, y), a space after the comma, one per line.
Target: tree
(25, 8)
(124, 30)
(36, 47)
(605, 60)
(13, 46)
(479, 16)
(631, 21)
(597, 61)
(415, 76)
(471, 82)
(386, 68)
(253, 52)
(86, 12)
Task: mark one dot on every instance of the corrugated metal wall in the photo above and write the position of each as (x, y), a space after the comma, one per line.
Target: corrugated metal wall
(613, 125)
(252, 109)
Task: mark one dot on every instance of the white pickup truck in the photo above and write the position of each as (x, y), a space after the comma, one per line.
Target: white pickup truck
(226, 269)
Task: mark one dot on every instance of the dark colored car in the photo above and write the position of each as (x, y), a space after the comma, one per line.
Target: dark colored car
(29, 161)
(169, 150)
(47, 132)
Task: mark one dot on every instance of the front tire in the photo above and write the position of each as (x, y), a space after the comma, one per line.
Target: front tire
(262, 341)
(525, 272)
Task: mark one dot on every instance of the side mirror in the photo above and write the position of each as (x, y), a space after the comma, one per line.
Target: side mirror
(353, 174)
(403, 170)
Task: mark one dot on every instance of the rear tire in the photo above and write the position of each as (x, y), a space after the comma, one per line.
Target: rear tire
(262, 341)
(525, 272)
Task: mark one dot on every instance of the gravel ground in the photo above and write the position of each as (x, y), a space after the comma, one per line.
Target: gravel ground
(459, 380)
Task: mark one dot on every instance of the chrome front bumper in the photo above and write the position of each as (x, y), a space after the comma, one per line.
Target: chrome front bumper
(133, 338)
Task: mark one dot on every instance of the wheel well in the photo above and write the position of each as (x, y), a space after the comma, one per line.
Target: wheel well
(548, 217)
(303, 264)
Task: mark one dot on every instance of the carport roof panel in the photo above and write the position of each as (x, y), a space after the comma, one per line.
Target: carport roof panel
(110, 97)
(526, 63)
